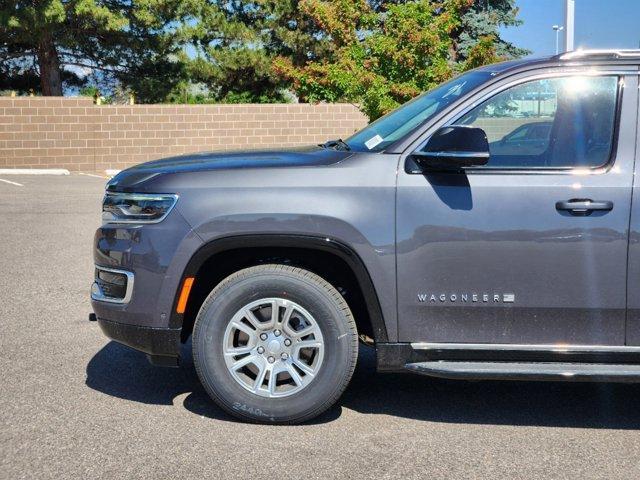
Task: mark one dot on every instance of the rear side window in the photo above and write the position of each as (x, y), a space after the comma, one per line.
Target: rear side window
(565, 122)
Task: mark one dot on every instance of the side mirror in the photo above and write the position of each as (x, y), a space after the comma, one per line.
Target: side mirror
(454, 148)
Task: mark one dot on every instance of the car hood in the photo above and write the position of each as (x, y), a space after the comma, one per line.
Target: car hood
(206, 161)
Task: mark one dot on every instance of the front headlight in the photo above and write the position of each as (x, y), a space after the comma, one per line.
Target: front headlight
(136, 207)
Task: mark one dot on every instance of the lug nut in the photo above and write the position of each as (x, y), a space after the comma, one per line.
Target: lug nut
(284, 356)
(277, 333)
(271, 359)
(263, 336)
(260, 349)
(287, 342)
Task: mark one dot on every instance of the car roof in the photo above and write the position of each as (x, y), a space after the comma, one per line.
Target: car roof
(573, 58)
(513, 64)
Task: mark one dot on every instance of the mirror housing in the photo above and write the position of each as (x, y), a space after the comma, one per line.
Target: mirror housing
(454, 148)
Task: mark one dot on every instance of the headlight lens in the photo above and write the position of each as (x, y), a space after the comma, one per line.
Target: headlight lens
(136, 207)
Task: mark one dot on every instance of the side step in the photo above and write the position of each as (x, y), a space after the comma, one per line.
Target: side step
(570, 372)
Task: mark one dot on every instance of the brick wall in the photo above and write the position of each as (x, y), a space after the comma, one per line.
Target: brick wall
(73, 133)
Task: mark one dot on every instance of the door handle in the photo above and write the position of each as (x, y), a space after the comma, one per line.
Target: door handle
(584, 206)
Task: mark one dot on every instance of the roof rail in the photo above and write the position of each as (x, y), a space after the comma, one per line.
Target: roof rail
(599, 54)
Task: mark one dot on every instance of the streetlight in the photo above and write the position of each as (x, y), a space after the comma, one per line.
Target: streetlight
(569, 22)
(558, 29)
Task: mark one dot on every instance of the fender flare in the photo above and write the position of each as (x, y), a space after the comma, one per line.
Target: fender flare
(335, 247)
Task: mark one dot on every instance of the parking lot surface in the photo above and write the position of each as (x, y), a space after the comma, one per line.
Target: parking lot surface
(75, 405)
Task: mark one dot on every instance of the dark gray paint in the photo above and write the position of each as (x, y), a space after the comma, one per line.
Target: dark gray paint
(157, 254)
(500, 233)
(351, 201)
(494, 233)
(633, 279)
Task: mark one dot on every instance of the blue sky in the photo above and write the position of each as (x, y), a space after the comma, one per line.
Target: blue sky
(599, 24)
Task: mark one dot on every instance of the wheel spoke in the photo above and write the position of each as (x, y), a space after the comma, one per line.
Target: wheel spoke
(303, 366)
(273, 375)
(260, 377)
(298, 333)
(232, 352)
(307, 344)
(295, 376)
(253, 320)
(275, 311)
(287, 313)
(244, 361)
(244, 328)
(304, 332)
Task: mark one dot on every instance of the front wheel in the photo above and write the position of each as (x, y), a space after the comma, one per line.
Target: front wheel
(275, 344)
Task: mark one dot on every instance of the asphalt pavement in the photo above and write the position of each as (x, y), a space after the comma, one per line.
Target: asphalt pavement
(75, 405)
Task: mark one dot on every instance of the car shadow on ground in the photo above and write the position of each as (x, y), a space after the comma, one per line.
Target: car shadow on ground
(123, 373)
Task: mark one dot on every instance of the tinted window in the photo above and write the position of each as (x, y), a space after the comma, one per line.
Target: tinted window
(552, 123)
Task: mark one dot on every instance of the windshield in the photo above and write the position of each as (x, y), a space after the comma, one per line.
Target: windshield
(394, 125)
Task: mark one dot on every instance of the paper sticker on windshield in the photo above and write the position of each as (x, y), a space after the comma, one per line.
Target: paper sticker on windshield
(373, 141)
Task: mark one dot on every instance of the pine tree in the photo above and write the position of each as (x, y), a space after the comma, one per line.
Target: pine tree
(60, 40)
(236, 43)
(483, 19)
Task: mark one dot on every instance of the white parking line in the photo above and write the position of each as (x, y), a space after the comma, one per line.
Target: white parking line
(91, 175)
(12, 183)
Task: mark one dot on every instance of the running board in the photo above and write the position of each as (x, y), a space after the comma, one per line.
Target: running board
(571, 372)
(512, 347)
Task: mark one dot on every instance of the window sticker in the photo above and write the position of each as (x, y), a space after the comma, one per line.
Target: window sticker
(373, 141)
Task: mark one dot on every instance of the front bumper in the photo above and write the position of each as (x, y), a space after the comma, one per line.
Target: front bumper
(153, 258)
(162, 345)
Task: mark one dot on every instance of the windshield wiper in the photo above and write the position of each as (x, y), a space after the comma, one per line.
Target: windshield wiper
(338, 144)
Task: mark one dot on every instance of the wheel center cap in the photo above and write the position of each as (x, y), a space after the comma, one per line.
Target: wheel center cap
(274, 346)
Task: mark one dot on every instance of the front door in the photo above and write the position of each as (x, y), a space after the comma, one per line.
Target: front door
(531, 248)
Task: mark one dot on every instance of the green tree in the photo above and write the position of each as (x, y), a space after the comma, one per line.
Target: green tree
(228, 57)
(481, 21)
(59, 41)
(288, 31)
(387, 53)
(236, 42)
(375, 52)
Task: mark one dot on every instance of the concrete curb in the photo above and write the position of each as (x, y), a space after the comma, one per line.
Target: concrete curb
(34, 171)
(111, 172)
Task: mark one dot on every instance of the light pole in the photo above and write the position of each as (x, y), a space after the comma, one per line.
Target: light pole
(558, 29)
(569, 22)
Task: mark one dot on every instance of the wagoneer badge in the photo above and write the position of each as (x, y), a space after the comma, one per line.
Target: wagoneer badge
(466, 297)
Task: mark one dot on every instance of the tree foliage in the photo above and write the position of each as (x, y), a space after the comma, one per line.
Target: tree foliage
(377, 53)
(236, 42)
(387, 53)
(136, 43)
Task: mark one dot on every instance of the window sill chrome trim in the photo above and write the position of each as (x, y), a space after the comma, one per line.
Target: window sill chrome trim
(128, 292)
(558, 348)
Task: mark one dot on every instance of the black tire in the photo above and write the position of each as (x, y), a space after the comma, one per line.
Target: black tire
(311, 292)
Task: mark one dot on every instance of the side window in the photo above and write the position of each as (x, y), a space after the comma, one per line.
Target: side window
(561, 122)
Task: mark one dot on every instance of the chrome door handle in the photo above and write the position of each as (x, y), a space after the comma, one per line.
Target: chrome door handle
(584, 206)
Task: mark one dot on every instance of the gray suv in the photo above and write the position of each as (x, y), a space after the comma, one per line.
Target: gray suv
(484, 230)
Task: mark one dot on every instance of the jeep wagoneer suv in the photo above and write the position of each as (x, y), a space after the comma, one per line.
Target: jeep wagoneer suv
(488, 229)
